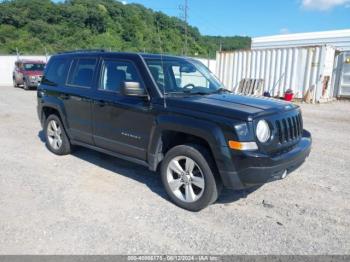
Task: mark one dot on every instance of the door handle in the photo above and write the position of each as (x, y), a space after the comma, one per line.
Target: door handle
(64, 96)
(100, 103)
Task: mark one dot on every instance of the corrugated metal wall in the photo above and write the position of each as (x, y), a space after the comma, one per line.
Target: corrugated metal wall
(282, 68)
(342, 73)
(210, 63)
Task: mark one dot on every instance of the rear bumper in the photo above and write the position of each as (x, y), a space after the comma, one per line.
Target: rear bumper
(253, 169)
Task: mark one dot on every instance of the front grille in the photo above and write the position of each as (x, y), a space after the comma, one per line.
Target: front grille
(290, 128)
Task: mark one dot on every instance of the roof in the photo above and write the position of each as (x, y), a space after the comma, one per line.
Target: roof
(88, 52)
(31, 61)
(164, 56)
(337, 38)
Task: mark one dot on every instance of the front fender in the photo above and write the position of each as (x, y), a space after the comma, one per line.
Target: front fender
(200, 128)
(208, 131)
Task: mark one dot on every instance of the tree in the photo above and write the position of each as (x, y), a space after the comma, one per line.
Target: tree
(33, 25)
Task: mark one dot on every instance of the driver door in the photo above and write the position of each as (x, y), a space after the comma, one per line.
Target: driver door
(121, 124)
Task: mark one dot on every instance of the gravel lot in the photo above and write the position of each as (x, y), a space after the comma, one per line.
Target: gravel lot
(91, 203)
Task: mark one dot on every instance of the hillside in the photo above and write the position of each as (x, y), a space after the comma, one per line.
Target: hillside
(33, 25)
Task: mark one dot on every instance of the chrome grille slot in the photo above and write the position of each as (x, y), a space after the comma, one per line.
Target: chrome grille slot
(289, 128)
(295, 129)
(279, 131)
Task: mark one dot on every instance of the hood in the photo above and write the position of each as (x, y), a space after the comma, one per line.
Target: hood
(231, 105)
(33, 73)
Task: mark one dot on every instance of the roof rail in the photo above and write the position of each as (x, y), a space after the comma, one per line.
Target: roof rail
(83, 51)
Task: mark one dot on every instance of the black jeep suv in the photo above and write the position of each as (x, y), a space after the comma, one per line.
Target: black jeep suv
(172, 114)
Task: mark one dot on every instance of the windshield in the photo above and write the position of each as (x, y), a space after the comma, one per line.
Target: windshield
(179, 76)
(33, 67)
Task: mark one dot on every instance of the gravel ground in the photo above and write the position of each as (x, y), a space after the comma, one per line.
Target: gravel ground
(91, 203)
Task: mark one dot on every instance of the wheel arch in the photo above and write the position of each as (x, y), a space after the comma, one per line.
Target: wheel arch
(175, 130)
(52, 108)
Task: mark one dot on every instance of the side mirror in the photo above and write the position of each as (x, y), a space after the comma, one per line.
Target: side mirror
(133, 89)
(187, 69)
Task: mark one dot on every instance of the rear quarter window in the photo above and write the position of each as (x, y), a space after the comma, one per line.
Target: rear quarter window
(82, 72)
(56, 71)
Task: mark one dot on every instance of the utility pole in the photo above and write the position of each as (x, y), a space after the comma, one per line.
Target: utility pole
(184, 15)
(186, 19)
(17, 53)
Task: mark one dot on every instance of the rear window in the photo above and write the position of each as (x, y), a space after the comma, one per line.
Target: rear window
(82, 72)
(56, 71)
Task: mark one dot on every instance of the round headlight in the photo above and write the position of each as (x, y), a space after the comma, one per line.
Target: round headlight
(263, 131)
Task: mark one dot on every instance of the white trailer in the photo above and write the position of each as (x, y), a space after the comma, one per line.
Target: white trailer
(339, 39)
(297, 68)
(342, 75)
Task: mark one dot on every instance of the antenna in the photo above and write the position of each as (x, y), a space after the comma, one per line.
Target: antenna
(184, 15)
(45, 54)
(17, 53)
(162, 63)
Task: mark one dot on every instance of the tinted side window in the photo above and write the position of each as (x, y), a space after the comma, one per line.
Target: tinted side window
(56, 72)
(82, 72)
(114, 73)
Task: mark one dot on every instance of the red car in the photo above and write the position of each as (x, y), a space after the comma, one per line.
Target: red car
(28, 73)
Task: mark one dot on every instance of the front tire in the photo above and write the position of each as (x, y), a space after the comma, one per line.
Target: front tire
(187, 173)
(56, 138)
(14, 83)
(25, 86)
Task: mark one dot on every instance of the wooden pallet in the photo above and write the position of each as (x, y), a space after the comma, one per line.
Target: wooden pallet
(251, 86)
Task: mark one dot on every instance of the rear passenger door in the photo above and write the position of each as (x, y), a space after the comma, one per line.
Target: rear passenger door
(77, 98)
(121, 124)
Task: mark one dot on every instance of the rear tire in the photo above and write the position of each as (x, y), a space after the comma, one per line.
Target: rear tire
(57, 140)
(14, 83)
(188, 176)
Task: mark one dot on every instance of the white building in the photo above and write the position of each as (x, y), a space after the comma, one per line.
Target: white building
(339, 39)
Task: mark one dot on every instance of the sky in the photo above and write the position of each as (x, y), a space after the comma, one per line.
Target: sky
(258, 17)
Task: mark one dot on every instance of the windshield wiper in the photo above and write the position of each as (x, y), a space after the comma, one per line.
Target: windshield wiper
(222, 90)
(195, 92)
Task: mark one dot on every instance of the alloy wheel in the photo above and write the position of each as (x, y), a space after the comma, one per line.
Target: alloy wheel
(185, 179)
(54, 134)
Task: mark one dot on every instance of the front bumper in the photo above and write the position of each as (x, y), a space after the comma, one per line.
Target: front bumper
(33, 82)
(253, 168)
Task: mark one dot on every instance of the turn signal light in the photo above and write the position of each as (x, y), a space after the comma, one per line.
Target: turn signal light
(236, 145)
